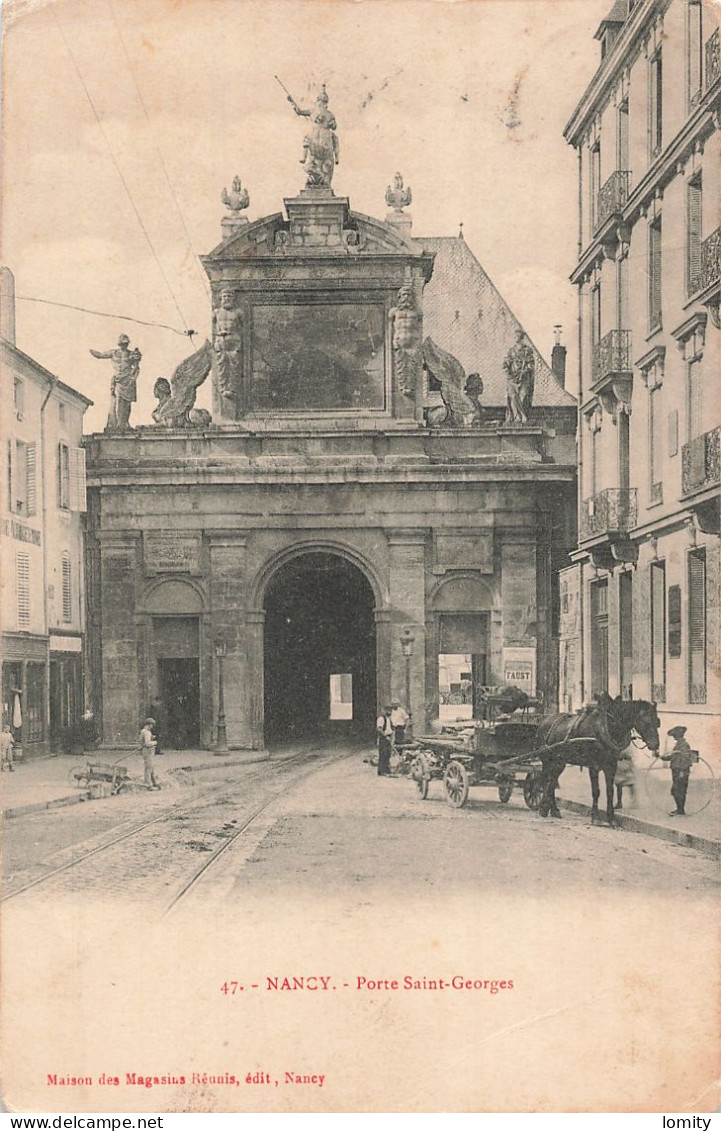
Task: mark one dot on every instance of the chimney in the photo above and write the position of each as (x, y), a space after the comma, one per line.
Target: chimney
(558, 357)
(7, 305)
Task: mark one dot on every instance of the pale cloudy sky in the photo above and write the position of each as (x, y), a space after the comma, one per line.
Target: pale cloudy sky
(468, 99)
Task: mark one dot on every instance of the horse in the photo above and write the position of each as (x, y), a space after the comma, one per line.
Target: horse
(594, 737)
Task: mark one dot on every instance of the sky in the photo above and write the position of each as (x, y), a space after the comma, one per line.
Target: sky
(123, 120)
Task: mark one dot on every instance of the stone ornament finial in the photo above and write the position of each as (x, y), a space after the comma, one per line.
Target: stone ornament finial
(237, 199)
(398, 197)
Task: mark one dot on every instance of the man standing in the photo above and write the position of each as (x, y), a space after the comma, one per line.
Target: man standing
(147, 749)
(157, 712)
(384, 727)
(399, 721)
(681, 759)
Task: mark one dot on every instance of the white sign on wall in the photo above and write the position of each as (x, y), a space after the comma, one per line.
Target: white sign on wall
(519, 668)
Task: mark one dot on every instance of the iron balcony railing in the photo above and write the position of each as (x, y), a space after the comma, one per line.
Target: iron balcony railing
(713, 59)
(612, 196)
(701, 462)
(709, 270)
(612, 355)
(611, 512)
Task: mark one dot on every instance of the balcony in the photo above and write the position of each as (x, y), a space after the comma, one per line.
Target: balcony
(709, 271)
(612, 197)
(700, 462)
(606, 522)
(612, 370)
(713, 60)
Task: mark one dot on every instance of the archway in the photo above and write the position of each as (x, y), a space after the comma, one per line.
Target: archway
(320, 650)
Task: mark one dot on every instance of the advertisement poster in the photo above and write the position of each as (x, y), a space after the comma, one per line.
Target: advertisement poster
(309, 369)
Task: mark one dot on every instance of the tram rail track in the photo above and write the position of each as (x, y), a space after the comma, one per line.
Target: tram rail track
(186, 806)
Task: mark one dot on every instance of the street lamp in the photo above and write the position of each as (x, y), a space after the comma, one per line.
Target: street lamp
(407, 640)
(221, 744)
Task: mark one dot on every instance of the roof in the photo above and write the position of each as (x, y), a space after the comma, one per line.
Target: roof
(45, 374)
(465, 315)
(617, 15)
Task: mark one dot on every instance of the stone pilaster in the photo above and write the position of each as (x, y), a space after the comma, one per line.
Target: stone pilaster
(227, 599)
(407, 598)
(120, 567)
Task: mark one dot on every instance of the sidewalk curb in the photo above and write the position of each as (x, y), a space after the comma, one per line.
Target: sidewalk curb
(637, 825)
(84, 795)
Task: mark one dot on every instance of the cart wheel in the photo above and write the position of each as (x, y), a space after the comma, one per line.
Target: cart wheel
(457, 784)
(533, 790)
(421, 774)
(505, 789)
(79, 776)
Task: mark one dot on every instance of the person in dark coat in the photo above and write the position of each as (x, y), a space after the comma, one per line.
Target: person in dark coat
(681, 759)
(386, 734)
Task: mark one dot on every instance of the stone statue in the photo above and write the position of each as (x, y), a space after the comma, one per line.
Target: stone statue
(237, 199)
(320, 146)
(473, 390)
(228, 344)
(520, 367)
(398, 197)
(446, 401)
(124, 384)
(176, 397)
(407, 332)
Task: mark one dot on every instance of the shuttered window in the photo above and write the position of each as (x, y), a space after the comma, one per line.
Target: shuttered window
(694, 204)
(595, 185)
(655, 105)
(599, 637)
(656, 435)
(625, 622)
(31, 479)
(697, 625)
(658, 631)
(22, 580)
(654, 274)
(77, 492)
(67, 589)
(694, 49)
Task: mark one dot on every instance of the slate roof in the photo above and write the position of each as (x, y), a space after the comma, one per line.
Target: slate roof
(465, 315)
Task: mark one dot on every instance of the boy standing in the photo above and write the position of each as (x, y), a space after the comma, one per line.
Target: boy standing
(147, 744)
(7, 743)
(681, 759)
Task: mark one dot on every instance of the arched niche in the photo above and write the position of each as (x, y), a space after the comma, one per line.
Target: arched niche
(174, 598)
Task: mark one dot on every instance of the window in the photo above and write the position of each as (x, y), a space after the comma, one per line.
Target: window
(655, 443)
(341, 696)
(625, 625)
(22, 480)
(697, 626)
(624, 469)
(61, 412)
(622, 318)
(67, 588)
(654, 274)
(22, 582)
(599, 637)
(694, 396)
(64, 476)
(19, 395)
(694, 201)
(694, 52)
(595, 185)
(622, 152)
(655, 105)
(658, 631)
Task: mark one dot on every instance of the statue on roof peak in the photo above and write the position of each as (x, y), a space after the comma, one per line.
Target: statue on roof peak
(237, 199)
(398, 197)
(320, 145)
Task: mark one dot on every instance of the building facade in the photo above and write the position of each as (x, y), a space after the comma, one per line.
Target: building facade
(357, 516)
(42, 547)
(640, 606)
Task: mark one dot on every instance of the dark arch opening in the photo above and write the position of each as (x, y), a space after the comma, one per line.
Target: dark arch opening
(320, 650)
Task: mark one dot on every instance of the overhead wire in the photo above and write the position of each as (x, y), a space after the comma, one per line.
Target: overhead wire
(119, 171)
(104, 314)
(157, 145)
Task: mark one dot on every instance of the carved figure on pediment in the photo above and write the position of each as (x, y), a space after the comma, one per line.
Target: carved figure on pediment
(520, 367)
(228, 344)
(124, 382)
(398, 197)
(320, 146)
(446, 402)
(407, 334)
(176, 398)
(237, 199)
(473, 390)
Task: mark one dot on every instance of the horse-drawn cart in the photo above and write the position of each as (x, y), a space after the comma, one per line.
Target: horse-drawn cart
(497, 754)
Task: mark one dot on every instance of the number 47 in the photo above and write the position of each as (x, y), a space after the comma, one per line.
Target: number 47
(230, 987)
